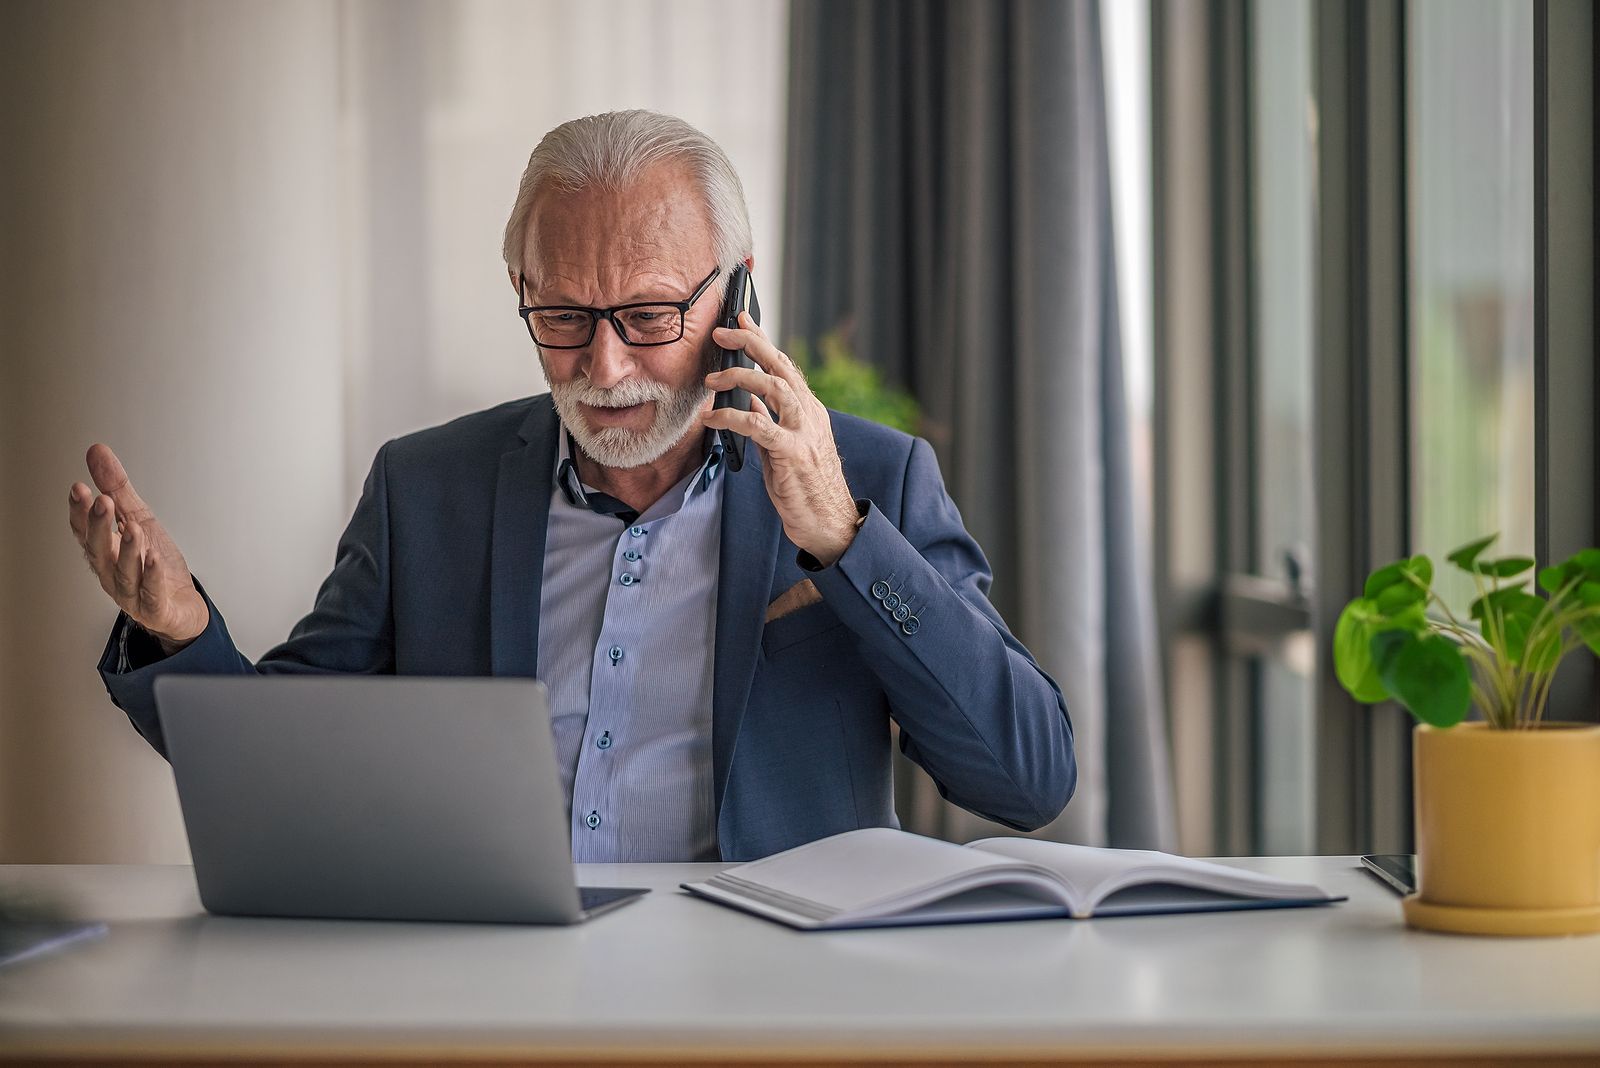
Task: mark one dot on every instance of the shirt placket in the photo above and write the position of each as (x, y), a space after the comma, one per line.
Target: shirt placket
(595, 822)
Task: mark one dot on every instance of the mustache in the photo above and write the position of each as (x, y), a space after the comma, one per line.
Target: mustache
(624, 394)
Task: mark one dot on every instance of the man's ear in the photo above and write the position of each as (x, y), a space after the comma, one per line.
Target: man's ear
(749, 264)
(512, 276)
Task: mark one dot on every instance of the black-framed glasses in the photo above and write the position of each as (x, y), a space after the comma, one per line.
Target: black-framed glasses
(569, 326)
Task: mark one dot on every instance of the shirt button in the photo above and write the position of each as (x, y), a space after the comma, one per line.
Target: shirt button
(592, 820)
(627, 578)
(604, 741)
(631, 555)
(892, 601)
(637, 532)
(880, 589)
(615, 653)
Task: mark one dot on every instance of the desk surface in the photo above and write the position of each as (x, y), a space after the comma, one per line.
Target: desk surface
(675, 976)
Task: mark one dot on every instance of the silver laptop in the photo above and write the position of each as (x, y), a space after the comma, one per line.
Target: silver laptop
(371, 797)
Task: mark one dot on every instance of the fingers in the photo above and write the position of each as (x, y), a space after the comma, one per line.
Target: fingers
(756, 345)
(128, 574)
(758, 426)
(79, 498)
(776, 393)
(101, 542)
(110, 477)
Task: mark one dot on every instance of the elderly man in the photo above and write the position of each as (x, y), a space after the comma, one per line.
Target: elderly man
(724, 649)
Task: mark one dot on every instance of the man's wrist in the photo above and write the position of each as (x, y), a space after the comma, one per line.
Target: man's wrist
(168, 646)
(841, 542)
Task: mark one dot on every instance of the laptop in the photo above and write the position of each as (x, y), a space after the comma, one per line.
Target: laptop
(374, 797)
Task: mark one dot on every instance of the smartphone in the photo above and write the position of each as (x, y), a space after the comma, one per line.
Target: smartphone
(1398, 870)
(739, 296)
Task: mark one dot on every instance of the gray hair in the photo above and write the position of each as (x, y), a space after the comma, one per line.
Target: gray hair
(613, 149)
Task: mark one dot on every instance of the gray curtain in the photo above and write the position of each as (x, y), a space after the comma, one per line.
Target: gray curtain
(949, 210)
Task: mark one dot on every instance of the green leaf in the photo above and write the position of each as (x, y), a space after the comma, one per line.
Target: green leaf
(1544, 654)
(1414, 575)
(1385, 577)
(1412, 619)
(1386, 645)
(1505, 567)
(1501, 600)
(1428, 675)
(1352, 652)
(1589, 631)
(1514, 636)
(1588, 560)
(1498, 600)
(1398, 597)
(843, 382)
(1554, 577)
(1515, 612)
(1589, 628)
(1464, 556)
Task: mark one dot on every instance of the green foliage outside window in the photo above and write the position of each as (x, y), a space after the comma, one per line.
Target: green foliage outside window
(846, 384)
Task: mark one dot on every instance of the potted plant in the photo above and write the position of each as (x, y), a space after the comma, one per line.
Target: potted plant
(1507, 808)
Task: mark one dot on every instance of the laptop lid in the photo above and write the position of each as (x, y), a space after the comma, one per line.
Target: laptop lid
(371, 797)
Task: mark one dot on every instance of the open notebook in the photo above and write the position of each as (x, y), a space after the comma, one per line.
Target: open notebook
(880, 877)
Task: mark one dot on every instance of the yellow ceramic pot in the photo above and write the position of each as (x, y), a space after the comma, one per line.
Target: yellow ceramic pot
(1508, 829)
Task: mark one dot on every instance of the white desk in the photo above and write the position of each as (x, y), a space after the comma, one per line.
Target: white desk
(676, 977)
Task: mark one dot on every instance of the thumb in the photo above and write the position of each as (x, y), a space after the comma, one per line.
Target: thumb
(110, 478)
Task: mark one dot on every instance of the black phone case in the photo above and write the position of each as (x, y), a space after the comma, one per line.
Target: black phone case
(739, 296)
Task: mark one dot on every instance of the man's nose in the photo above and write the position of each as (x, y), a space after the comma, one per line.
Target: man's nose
(610, 361)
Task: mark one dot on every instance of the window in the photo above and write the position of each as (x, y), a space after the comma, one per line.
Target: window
(1470, 89)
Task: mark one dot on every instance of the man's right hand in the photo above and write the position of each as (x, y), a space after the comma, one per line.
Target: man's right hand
(137, 564)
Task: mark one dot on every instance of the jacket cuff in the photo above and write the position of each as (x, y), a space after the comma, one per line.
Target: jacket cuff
(132, 660)
(873, 580)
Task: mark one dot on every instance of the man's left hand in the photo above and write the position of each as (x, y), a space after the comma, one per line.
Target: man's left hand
(799, 461)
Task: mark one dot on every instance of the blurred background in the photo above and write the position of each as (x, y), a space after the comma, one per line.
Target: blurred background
(1208, 309)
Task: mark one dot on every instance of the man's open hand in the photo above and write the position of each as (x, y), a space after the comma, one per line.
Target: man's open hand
(137, 564)
(800, 462)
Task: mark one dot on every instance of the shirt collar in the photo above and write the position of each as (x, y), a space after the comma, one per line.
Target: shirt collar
(582, 496)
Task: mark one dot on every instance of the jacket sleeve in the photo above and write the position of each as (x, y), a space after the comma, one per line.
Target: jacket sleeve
(349, 629)
(975, 711)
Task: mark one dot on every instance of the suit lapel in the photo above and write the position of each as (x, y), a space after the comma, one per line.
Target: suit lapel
(750, 529)
(516, 568)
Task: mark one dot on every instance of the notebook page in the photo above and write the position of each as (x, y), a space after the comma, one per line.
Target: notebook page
(1081, 867)
(1095, 872)
(860, 868)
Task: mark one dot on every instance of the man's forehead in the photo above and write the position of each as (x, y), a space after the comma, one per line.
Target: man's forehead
(650, 235)
(612, 282)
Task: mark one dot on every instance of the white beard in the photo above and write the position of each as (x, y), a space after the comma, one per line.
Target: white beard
(618, 446)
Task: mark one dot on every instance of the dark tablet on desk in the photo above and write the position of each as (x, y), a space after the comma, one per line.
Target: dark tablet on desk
(1398, 871)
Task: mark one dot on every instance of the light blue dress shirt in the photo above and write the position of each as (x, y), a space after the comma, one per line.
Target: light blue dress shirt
(627, 623)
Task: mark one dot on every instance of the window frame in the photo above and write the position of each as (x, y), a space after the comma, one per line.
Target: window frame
(1210, 606)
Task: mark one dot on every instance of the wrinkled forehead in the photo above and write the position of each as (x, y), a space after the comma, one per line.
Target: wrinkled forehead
(596, 243)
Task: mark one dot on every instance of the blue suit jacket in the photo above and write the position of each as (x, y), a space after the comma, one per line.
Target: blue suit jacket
(440, 569)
